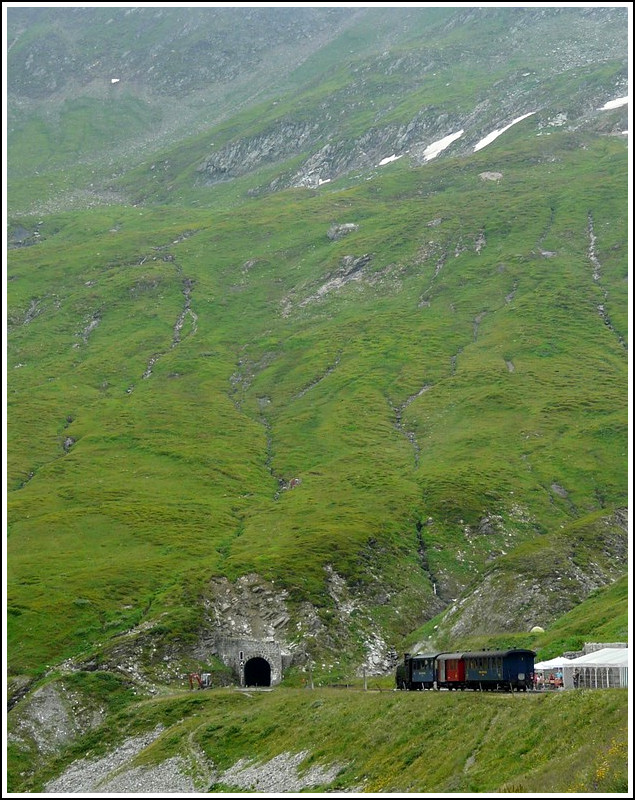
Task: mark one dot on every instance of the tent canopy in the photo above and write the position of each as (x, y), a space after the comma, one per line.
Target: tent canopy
(607, 657)
(553, 663)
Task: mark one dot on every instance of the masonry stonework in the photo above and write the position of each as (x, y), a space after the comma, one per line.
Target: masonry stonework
(235, 653)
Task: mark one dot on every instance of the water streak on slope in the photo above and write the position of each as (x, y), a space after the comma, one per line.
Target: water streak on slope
(398, 412)
(319, 379)
(596, 277)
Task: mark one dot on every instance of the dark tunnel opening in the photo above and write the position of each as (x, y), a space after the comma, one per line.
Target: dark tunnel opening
(257, 672)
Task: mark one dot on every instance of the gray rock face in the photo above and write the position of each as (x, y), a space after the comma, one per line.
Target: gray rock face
(250, 608)
(52, 717)
(511, 600)
(281, 774)
(116, 772)
(490, 176)
(246, 155)
(336, 232)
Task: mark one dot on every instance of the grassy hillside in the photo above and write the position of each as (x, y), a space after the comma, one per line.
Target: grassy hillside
(444, 364)
(388, 742)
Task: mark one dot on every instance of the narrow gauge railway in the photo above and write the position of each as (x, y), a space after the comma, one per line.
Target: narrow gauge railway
(481, 670)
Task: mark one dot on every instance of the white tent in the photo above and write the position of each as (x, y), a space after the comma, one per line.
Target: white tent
(551, 667)
(601, 669)
(553, 663)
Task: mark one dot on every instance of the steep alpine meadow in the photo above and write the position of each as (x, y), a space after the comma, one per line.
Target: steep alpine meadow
(197, 395)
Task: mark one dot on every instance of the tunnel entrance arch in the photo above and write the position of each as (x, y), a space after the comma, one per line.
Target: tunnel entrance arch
(257, 672)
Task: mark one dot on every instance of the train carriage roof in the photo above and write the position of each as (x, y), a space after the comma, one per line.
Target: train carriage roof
(486, 653)
(449, 656)
(424, 655)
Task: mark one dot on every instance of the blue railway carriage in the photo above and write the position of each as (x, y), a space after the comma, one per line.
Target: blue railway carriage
(417, 672)
(495, 670)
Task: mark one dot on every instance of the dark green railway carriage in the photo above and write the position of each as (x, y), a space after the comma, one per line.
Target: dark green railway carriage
(417, 671)
(499, 669)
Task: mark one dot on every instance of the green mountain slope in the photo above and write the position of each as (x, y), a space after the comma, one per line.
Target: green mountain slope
(438, 389)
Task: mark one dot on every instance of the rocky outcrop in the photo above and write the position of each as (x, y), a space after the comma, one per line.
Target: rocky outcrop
(281, 774)
(252, 609)
(522, 591)
(490, 176)
(246, 155)
(351, 269)
(336, 232)
(52, 716)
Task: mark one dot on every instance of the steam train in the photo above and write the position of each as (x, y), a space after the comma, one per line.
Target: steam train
(484, 670)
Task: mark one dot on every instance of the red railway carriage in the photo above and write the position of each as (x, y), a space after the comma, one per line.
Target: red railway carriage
(450, 670)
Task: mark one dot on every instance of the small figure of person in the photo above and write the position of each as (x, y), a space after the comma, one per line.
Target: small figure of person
(552, 681)
(576, 678)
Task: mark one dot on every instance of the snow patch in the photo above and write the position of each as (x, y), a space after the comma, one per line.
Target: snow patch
(495, 134)
(387, 160)
(621, 101)
(433, 150)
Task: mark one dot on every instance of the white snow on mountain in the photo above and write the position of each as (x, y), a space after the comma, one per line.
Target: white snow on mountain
(388, 160)
(621, 101)
(495, 134)
(433, 150)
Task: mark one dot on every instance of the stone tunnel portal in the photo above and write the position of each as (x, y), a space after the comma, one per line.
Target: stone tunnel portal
(257, 672)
